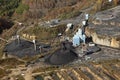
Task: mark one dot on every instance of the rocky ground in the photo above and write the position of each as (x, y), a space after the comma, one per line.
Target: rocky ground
(105, 29)
(88, 71)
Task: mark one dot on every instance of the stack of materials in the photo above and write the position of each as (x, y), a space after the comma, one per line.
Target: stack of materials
(62, 56)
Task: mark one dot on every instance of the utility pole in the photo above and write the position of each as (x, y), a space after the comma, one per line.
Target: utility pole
(18, 38)
(40, 47)
(34, 42)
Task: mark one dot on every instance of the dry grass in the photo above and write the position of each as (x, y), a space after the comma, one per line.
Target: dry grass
(43, 33)
(2, 73)
(10, 63)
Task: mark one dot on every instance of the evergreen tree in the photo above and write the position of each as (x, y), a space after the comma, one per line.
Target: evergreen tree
(7, 7)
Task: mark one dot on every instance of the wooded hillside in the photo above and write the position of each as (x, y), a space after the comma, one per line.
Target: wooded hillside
(50, 9)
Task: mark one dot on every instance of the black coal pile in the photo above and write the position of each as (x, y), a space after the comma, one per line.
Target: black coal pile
(22, 49)
(62, 56)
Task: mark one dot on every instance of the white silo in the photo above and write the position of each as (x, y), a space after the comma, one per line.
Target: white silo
(80, 31)
(83, 27)
(83, 38)
(86, 16)
(76, 40)
(77, 34)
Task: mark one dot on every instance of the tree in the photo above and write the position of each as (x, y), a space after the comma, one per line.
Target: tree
(7, 7)
(22, 8)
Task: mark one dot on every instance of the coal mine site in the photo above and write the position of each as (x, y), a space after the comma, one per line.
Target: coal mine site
(62, 56)
(24, 48)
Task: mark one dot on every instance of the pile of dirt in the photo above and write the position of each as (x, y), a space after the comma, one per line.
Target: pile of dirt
(24, 48)
(62, 56)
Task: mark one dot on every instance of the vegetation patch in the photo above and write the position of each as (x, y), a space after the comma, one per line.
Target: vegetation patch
(2, 73)
(45, 33)
(7, 7)
(22, 8)
(70, 15)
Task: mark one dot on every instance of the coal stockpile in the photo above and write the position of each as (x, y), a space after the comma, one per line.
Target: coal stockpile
(62, 56)
(22, 49)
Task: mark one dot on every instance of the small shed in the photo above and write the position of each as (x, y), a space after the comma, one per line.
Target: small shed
(70, 25)
(110, 0)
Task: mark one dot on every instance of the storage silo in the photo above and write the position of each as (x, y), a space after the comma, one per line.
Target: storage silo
(80, 31)
(77, 34)
(86, 16)
(83, 38)
(76, 40)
